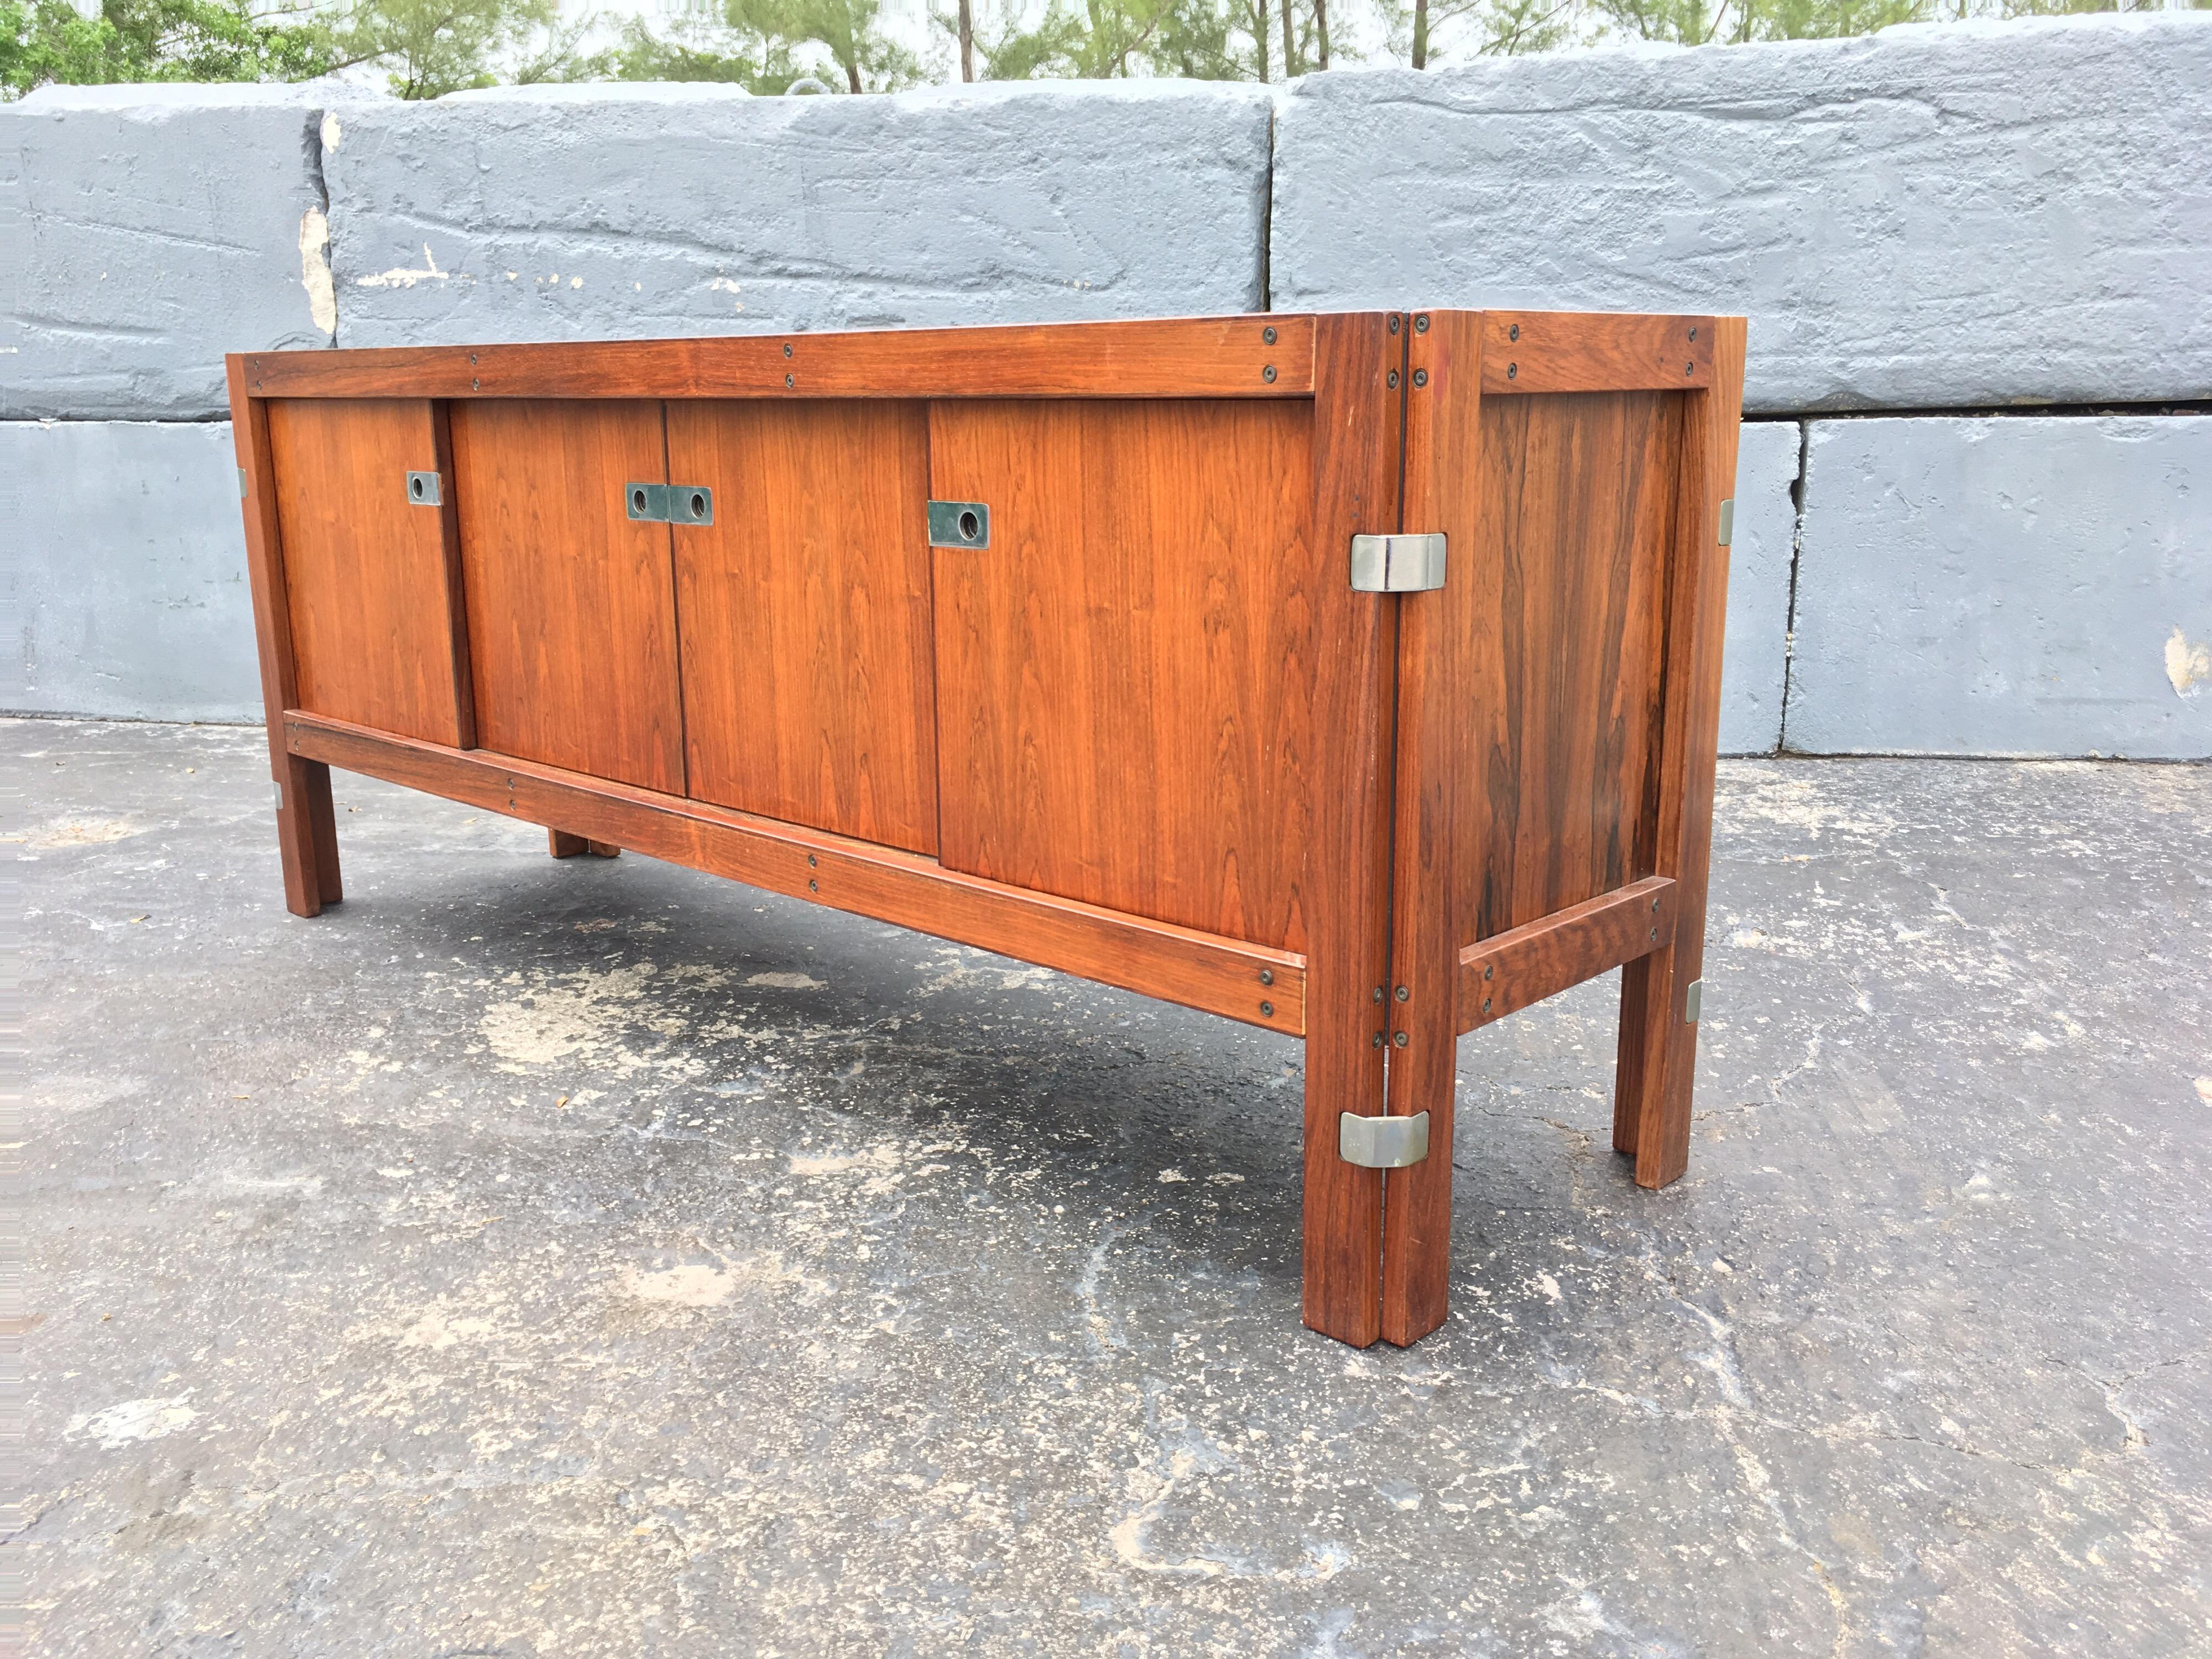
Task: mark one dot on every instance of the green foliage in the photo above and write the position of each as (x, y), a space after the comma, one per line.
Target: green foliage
(49, 40)
(850, 31)
(430, 47)
(701, 49)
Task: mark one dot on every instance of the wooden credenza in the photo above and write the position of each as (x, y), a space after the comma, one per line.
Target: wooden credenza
(1355, 676)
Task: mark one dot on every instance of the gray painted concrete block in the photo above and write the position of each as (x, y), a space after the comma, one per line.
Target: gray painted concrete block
(126, 571)
(2011, 586)
(144, 231)
(569, 214)
(1946, 216)
(1756, 658)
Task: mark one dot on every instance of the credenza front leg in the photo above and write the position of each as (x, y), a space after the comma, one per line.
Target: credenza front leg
(307, 836)
(1343, 1250)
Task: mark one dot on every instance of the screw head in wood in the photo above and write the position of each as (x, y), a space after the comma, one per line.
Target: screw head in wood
(813, 887)
(1393, 322)
(1266, 1010)
(1378, 993)
(810, 861)
(472, 358)
(790, 379)
(1266, 977)
(1514, 332)
(475, 385)
(1694, 334)
(1485, 1005)
(1267, 335)
(1655, 904)
(1654, 934)
(1689, 368)
(1420, 324)
(1391, 379)
(1420, 377)
(1488, 969)
(1268, 373)
(1379, 1039)
(787, 350)
(1403, 993)
(1512, 371)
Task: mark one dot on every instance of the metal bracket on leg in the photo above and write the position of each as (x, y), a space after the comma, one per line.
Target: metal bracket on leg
(1383, 1143)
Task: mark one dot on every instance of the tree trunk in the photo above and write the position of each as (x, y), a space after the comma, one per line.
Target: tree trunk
(852, 73)
(967, 39)
(1420, 34)
(1290, 44)
(1320, 29)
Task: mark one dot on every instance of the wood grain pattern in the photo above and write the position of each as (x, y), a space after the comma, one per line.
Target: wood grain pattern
(1176, 964)
(307, 832)
(1514, 970)
(805, 607)
(1657, 1056)
(1434, 752)
(1180, 357)
(1560, 622)
(1357, 432)
(1535, 351)
(571, 606)
(1122, 675)
(371, 576)
(563, 845)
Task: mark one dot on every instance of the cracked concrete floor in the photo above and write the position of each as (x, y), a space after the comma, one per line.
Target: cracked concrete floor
(589, 1258)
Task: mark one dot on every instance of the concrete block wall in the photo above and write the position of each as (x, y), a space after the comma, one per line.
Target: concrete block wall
(1949, 241)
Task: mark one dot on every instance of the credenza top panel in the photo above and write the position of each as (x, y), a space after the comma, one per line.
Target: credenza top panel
(1261, 355)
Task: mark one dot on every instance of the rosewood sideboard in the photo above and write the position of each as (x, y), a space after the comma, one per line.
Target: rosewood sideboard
(1355, 676)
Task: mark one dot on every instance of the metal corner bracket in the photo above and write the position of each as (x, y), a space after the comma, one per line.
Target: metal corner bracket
(1398, 564)
(1727, 522)
(423, 490)
(1694, 1001)
(1383, 1143)
(668, 503)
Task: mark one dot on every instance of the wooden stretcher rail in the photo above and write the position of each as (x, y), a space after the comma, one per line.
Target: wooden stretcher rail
(1530, 352)
(1513, 969)
(1256, 356)
(1176, 964)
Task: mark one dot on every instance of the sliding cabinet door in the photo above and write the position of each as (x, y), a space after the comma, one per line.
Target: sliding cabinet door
(571, 603)
(1124, 673)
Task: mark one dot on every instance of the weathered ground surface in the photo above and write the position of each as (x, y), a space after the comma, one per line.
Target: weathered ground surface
(596, 1258)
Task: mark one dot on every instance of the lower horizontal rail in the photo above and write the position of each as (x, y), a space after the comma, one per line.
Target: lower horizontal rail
(1546, 957)
(1248, 982)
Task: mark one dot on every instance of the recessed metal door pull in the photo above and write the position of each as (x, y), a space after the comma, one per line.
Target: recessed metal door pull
(959, 523)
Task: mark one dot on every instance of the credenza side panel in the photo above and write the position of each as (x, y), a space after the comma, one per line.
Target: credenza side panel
(571, 605)
(1558, 602)
(804, 614)
(1124, 675)
(376, 638)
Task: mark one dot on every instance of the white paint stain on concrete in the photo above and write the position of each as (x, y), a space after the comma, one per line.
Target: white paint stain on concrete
(315, 270)
(787, 981)
(332, 130)
(2188, 662)
(683, 1288)
(132, 1421)
(81, 832)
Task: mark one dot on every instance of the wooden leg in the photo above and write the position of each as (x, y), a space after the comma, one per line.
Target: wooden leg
(563, 845)
(323, 824)
(307, 837)
(1417, 1200)
(1343, 1253)
(1657, 1059)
